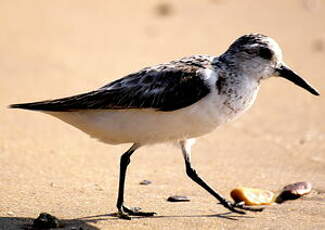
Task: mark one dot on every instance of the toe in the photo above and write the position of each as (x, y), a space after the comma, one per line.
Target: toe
(242, 206)
(124, 216)
(136, 212)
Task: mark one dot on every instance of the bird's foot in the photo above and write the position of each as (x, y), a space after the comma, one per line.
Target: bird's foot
(125, 213)
(241, 205)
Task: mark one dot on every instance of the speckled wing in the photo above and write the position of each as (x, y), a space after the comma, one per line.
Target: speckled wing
(164, 87)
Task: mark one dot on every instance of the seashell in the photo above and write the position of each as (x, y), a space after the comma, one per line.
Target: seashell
(252, 196)
(293, 191)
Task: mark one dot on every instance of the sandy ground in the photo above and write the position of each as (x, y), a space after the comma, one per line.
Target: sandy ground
(52, 49)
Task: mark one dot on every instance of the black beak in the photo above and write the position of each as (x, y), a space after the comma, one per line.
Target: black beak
(285, 72)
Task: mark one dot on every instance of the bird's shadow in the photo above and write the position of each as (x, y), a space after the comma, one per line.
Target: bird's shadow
(112, 216)
(85, 223)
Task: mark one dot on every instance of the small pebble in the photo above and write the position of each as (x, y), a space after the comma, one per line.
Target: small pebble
(98, 187)
(178, 199)
(312, 5)
(145, 182)
(318, 45)
(163, 9)
(45, 220)
(252, 196)
(293, 191)
(10, 213)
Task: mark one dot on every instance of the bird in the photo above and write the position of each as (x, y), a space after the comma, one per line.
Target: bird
(177, 102)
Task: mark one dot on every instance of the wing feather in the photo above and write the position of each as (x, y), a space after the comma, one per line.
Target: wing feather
(165, 87)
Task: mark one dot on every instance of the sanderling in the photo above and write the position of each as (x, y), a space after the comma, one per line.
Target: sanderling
(174, 102)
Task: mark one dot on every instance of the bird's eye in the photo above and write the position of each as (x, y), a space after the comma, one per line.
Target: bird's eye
(265, 53)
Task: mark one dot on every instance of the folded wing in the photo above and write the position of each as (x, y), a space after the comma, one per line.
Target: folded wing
(164, 87)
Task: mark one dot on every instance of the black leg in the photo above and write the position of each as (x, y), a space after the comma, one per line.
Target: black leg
(186, 148)
(124, 162)
(123, 211)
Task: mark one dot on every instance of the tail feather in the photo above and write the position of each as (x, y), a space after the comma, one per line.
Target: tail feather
(89, 100)
(40, 106)
(61, 104)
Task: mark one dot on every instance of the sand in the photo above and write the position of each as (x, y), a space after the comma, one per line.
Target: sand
(51, 49)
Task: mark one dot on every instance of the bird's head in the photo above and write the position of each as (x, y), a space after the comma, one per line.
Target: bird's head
(260, 57)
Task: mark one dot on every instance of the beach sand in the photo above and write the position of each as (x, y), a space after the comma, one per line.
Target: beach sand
(52, 49)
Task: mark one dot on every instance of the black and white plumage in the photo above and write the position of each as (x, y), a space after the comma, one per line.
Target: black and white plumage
(154, 87)
(175, 101)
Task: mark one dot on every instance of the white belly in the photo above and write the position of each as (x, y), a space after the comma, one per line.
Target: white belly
(143, 126)
(147, 126)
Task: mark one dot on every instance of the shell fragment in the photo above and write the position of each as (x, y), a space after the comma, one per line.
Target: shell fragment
(293, 191)
(252, 196)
